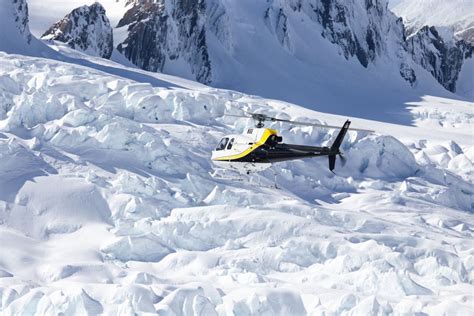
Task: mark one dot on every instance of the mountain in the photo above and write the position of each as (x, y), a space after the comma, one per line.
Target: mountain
(223, 52)
(175, 32)
(456, 15)
(43, 14)
(441, 56)
(110, 205)
(86, 28)
(303, 47)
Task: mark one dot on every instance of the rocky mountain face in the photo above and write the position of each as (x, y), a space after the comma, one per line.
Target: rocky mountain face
(162, 32)
(20, 13)
(86, 28)
(443, 58)
(357, 28)
(203, 39)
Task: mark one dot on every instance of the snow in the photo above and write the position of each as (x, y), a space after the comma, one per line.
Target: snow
(465, 82)
(107, 205)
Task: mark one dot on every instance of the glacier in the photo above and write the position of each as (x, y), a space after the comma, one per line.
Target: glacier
(108, 206)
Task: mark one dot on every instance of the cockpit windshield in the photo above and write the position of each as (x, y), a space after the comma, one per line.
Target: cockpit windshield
(222, 143)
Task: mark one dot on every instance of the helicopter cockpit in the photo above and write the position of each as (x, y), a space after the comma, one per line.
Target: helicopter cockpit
(222, 144)
(225, 143)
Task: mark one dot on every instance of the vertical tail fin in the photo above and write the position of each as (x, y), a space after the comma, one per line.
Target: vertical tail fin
(340, 137)
(337, 143)
(332, 162)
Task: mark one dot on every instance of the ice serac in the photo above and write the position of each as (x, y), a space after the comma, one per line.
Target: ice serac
(441, 55)
(108, 206)
(170, 34)
(86, 28)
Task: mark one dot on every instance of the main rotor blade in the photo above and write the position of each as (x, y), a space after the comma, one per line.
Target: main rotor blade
(318, 125)
(235, 115)
(263, 117)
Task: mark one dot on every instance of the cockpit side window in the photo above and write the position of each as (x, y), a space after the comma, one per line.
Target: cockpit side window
(222, 143)
(230, 144)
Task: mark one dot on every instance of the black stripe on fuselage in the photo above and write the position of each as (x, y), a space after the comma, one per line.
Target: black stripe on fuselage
(283, 152)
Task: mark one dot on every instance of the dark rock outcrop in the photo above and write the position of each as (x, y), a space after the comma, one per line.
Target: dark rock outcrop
(442, 58)
(161, 32)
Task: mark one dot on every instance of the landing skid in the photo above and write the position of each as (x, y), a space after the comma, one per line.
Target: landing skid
(249, 177)
(225, 174)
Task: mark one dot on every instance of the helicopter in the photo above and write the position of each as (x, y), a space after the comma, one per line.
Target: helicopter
(259, 147)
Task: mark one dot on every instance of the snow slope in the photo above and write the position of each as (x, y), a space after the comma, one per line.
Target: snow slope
(107, 205)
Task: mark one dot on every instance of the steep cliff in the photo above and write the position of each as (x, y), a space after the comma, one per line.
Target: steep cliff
(442, 57)
(171, 33)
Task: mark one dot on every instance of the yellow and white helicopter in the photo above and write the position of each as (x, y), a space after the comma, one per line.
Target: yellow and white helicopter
(257, 148)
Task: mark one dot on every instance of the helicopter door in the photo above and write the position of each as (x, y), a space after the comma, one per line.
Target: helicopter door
(231, 143)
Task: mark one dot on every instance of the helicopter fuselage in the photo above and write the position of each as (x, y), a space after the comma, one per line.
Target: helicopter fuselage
(258, 148)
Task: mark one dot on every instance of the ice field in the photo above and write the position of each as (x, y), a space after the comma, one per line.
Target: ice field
(107, 204)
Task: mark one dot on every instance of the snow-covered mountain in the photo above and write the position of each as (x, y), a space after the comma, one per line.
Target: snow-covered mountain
(107, 204)
(231, 44)
(302, 47)
(457, 15)
(86, 28)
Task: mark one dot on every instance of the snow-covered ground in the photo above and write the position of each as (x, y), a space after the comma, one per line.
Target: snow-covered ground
(107, 205)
